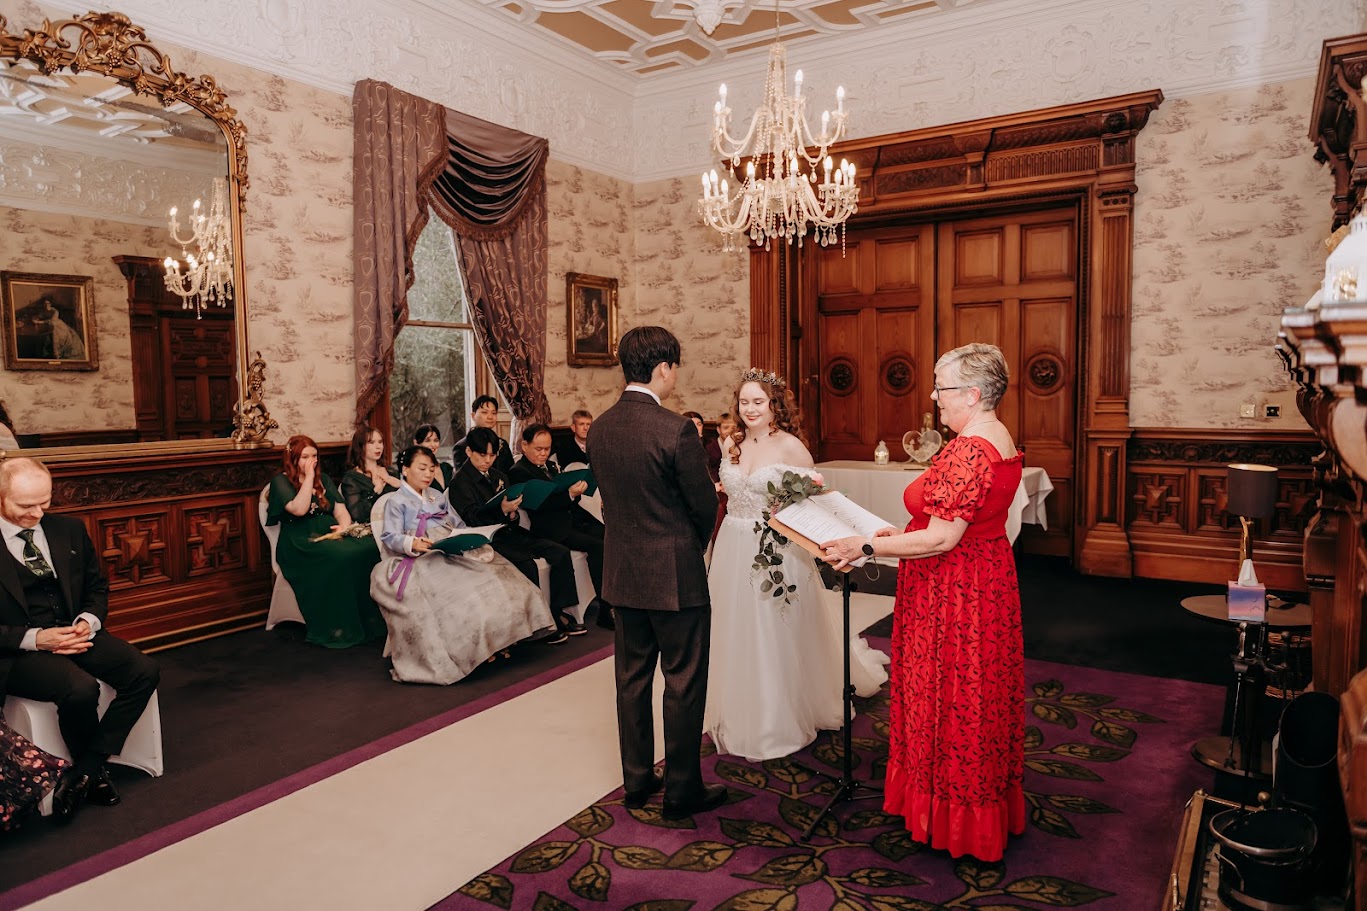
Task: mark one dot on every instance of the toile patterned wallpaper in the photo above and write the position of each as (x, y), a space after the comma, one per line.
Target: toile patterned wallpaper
(53, 401)
(1230, 219)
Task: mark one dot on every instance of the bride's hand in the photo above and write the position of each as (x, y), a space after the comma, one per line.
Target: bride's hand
(841, 552)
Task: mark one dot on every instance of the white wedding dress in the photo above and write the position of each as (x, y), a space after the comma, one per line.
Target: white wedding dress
(775, 674)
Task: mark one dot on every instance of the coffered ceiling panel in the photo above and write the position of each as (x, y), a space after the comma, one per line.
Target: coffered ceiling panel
(647, 37)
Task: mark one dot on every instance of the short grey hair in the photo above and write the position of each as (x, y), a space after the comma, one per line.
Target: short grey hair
(12, 468)
(981, 366)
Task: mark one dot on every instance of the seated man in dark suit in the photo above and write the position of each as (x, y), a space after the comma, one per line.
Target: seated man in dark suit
(484, 413)
(561, 519)
(472, 487)
(575, 451)
(53, 600)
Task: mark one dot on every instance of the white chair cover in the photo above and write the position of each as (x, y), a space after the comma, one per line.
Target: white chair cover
(583, 579)
(284, 605)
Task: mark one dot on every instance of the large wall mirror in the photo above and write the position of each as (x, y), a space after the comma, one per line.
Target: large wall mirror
(99, 140)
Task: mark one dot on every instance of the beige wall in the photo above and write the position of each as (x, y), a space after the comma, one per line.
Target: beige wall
(1229, 222)
(53, 401)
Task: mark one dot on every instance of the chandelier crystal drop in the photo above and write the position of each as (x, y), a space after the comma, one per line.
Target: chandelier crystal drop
(208, 275)
(788, 190)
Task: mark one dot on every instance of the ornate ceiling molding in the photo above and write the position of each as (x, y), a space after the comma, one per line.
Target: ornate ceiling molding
(982, 60)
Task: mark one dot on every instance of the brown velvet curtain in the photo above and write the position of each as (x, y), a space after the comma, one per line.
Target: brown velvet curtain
(492, 192)
(400, 148)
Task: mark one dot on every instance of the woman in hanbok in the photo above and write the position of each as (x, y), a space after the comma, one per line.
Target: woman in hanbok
(447, 612)
(776, 669)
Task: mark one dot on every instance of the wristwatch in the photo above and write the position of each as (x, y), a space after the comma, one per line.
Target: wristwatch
(868, 548)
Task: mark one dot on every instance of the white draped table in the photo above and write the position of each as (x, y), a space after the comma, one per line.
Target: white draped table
(879, 489)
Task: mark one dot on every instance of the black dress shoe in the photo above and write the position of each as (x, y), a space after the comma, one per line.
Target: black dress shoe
(713, 796)
(605, 616)
(102, 792)
(70, 796)
(634, 800)
(574, 628)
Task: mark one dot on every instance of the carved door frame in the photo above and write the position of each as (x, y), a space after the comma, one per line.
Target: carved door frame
(1083, 151)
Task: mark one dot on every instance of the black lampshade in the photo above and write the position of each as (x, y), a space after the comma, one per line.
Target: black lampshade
(1252, 491)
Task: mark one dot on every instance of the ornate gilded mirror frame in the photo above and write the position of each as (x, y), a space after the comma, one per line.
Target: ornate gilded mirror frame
(109, 43)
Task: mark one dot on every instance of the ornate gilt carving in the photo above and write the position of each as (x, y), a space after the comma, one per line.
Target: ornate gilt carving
(254, 422)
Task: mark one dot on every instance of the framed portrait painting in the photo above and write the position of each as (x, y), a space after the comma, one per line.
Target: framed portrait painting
(591, 302)
(49, 321)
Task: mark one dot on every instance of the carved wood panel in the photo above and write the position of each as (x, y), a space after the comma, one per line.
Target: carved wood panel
(215, 536)
(133, 546)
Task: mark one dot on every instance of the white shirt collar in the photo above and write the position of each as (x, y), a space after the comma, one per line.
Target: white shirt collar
(634, 387)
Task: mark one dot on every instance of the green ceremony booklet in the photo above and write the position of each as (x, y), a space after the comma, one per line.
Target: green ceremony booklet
(535, 493)
(460, 543)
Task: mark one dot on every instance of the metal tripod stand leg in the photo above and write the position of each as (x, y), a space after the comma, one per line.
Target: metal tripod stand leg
(847, 787)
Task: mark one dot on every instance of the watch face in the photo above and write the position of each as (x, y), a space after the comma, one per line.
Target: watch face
(868, 549)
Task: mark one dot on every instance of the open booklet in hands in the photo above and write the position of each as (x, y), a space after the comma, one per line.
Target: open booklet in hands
(466, 539)
(534, 494)
(825, 517)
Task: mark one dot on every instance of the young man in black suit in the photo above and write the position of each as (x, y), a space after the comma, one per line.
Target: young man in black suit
(658, 508)
(472, 487)
(561, 519)
(53, 602)
(484, 413)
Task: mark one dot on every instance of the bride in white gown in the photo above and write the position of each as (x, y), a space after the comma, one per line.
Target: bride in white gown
(775, 669)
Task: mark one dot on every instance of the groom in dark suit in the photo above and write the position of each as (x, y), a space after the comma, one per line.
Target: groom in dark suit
(658, 508)
(53, 600)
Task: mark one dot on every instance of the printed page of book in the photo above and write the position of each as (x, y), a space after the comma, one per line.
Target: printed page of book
(851, 513)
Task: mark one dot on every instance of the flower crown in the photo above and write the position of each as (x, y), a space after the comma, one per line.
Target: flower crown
(754, 374)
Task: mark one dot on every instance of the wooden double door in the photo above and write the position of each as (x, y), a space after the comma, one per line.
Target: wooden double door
(901, 296)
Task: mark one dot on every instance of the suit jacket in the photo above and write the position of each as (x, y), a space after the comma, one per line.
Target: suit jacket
(84, 586)
(568, 453)
(658, 505)
(558, 516)
(470, 490)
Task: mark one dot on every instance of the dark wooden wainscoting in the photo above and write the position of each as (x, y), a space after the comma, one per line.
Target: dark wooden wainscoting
(179, 536)
(1175, 496)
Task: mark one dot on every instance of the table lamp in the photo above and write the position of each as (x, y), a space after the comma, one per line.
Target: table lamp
(1252, 494)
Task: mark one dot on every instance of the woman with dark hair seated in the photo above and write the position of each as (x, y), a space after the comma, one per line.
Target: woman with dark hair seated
(366, 479)
(330, 577)
(429, 435)
(447, 613)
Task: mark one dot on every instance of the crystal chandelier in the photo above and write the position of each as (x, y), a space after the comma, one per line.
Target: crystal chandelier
(781, 196)
(208, 275)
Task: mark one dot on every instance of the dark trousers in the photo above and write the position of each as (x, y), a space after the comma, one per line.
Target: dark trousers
(680, 641)
(73, 683)
(520, 547)
(585, 534)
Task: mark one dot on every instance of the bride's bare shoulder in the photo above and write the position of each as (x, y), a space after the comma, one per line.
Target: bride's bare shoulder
(792, 451)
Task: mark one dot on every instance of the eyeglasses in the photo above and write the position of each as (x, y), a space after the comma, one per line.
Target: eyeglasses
(937, 389)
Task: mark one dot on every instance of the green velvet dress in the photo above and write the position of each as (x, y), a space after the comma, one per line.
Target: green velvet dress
(331, 579)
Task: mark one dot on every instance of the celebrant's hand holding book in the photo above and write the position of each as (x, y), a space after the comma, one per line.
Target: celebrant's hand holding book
(825, 518)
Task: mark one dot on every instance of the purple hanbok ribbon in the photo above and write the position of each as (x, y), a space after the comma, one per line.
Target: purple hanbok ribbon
(404, 568)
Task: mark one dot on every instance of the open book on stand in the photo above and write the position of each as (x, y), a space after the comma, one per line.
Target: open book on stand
(825, 517)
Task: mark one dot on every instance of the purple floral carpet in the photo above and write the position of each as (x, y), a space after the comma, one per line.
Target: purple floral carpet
(1107, 774)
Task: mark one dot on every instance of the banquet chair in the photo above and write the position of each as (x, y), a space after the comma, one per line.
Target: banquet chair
(284, 605)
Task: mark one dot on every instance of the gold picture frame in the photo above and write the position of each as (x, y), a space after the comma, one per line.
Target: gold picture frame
(49, 321)
(591, 315)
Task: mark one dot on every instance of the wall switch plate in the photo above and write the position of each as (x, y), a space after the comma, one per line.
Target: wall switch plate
(1248, 410)
(1272, 411)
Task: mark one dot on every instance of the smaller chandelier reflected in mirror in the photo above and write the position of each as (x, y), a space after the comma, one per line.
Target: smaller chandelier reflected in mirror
(788, 190)
(208, 253)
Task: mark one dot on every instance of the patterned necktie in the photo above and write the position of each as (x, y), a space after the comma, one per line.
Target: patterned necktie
(33, 557)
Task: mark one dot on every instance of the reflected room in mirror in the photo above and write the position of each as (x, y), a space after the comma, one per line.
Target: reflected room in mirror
(89, 172)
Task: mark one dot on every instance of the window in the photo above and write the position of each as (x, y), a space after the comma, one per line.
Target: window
(438, 368)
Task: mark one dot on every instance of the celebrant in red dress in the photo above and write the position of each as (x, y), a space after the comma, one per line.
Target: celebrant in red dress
(957, 747)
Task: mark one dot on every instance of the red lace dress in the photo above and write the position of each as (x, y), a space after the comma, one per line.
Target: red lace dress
(957, 750)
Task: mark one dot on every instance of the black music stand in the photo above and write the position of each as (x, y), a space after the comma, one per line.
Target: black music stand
(846, 785)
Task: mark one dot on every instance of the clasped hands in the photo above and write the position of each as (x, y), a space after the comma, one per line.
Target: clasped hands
(65, 640)
(841, 552)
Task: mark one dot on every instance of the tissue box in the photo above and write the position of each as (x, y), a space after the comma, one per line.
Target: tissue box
(1247, 602)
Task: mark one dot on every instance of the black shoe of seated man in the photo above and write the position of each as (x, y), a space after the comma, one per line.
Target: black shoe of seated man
(634, 800)
(102, 791)
(70, 796)
(713, 796)
(556, 638)
(574, 628)
(605, 619)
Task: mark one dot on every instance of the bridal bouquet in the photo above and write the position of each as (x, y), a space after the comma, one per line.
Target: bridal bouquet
(794, 487)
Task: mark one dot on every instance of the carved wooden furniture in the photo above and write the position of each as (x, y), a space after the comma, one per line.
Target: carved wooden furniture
(1064, 169)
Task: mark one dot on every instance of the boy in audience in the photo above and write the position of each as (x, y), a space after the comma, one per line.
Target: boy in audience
(472, 487)
(484, 413)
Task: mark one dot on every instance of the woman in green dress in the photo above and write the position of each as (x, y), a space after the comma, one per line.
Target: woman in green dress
(429, 435)
(330, 578)
(366, 479)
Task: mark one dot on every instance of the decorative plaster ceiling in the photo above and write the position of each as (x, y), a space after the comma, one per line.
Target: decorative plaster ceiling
(647, 37)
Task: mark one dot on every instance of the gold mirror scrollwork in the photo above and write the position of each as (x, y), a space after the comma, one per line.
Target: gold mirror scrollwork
(110, 44)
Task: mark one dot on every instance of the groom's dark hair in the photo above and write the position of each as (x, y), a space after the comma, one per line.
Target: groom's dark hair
(644, 347)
